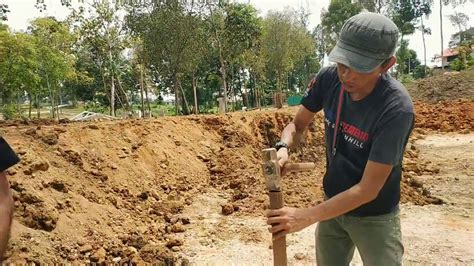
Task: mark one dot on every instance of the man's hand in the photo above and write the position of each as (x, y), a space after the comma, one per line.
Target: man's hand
(287, 220)
(282, 157)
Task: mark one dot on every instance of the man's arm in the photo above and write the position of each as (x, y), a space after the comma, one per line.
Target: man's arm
(292, 220)
(292, 133)
(6, 213)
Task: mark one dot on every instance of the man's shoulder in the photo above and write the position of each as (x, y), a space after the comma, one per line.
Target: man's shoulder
(328, 72)
(397, 96)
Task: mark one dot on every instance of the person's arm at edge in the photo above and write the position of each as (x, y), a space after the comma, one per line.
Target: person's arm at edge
(6, 213)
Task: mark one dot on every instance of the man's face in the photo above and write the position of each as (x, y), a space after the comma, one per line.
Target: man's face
(354, 81)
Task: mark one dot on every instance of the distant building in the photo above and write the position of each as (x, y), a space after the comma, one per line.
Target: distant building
(449, 55)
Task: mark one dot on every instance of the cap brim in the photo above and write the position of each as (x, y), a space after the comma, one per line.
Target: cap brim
(354, 60)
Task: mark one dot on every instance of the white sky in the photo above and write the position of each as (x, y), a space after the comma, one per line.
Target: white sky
(23, 11)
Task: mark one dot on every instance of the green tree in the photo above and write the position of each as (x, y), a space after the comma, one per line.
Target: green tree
(460, 20)
(333, 19)
(442, 3)
(406, 58)
(173, 43)
(287, 45)
(103, 33)
(3, 12)
(56, 63)
(234, 29)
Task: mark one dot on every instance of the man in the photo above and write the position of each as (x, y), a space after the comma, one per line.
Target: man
(7, 159)
(374, 116)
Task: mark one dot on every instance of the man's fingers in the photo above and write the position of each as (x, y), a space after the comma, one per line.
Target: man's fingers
(277, 212)
(276, 220)
(277, 228)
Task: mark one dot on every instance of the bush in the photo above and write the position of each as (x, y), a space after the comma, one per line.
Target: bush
(406, 79)
(10, 111)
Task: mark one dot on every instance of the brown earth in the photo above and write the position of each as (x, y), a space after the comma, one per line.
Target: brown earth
(444, 87)
(116, 191)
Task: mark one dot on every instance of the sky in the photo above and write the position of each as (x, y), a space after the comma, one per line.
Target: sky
(23, 11)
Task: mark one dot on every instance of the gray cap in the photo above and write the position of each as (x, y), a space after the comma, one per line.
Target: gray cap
(365, 42)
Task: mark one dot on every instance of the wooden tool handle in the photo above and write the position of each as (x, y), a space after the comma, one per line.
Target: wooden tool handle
(279, 245)
(299, 167)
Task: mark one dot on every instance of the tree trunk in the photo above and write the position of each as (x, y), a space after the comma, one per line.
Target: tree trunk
(38, 107)
(30, 105)
(142, 88)
(196, 108)
(224, 77)
(112, 86)
(176, 96)
(441, 30)
(147, 100)
(51, 95)
(424, 45)
(185, 101)
(57, 104)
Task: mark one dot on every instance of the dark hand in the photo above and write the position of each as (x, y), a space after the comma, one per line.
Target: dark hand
(287, 220)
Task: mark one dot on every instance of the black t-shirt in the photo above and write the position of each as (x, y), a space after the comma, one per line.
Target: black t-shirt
(375, 128)
(8, 158)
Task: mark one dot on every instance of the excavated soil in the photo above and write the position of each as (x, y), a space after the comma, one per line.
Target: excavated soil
(444, 87)
(134, 191)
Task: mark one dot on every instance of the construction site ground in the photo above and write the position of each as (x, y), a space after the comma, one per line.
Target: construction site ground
(189, 190)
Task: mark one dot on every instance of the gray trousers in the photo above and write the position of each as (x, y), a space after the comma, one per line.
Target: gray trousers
(377, 238)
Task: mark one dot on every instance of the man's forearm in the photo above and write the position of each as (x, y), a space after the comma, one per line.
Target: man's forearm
(6, 213)
(291, 135)
(6, 208)
(339, 204)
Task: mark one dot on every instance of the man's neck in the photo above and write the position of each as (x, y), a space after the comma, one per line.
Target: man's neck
(357, 96)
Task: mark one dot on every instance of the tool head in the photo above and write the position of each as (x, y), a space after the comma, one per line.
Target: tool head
(271, 169)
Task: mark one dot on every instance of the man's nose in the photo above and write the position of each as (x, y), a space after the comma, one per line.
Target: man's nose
(348, 75)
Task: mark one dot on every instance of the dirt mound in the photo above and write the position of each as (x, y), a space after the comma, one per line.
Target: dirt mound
(446, 116)
(447, 86)
(114, 192)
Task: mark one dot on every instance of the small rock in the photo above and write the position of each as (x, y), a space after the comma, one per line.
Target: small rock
(85, 249)
(116, 260)
(215, 170)
(73, 257)
(99, 255)
(11, 172)
(185, 220)
(93, 126)
(299, 256)
(177, 228)
(131, 250)
(59, 186)
(174, 242)
(113, 166)
(202, 158)
(144, 195)
(185, 262)
(227, 209)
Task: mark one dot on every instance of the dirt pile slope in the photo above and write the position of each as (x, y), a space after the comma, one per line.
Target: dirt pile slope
(115, 191)
(448, 86)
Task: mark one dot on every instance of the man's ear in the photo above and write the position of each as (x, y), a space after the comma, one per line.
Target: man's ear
(390, 62)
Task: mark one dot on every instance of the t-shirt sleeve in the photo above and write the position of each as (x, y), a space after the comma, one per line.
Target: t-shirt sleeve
(391, 138)
(8, 158)
(313, 97)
